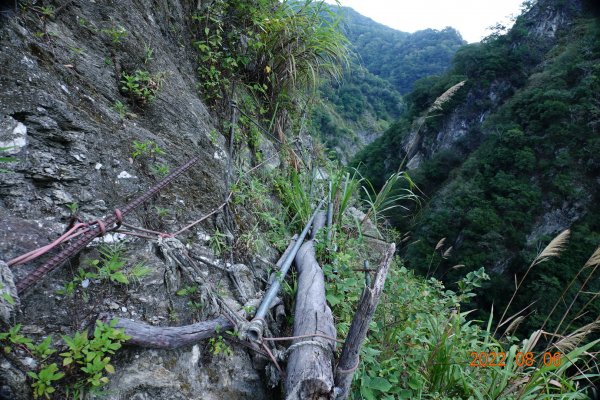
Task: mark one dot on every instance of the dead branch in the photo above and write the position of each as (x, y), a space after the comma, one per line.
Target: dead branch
(172, 337)
(349, 358)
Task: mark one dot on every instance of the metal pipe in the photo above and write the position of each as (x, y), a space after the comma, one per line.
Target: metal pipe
(329, 215)
(256, 326)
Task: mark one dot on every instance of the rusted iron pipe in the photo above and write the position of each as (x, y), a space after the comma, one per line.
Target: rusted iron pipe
(75, 247)
(329, 215)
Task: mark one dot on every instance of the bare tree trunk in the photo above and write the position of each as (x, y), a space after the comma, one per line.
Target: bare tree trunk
(349, 359)
(310, 362)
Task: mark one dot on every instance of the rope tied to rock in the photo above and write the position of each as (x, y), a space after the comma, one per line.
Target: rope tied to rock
(77, 229)
(94, 230)
(118, 215)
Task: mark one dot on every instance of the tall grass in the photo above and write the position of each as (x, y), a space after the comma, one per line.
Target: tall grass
(391, 196)
(552, 250)
(300, 45)
(295, 47)
(295, 193)
(343, 187)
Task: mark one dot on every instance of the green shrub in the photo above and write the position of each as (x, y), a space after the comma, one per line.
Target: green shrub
(42, 381)
(90, 355)
(141, 86)
(82, 367)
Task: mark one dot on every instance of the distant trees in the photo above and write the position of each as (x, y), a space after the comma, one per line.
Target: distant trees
(399, 57)
(360, 103)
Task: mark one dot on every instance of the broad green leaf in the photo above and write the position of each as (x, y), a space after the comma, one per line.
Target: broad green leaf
(381, 384)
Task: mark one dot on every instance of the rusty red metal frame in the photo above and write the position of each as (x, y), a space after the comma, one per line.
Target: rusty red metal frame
(98, 230)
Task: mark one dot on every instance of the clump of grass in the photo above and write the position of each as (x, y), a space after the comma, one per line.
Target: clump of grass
(390, 197)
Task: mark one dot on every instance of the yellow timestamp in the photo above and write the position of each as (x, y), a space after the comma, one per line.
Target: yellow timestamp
(522, 359)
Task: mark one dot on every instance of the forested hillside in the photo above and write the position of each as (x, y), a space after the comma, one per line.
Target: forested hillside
(510, 160)
(357, 109)
(399, 57)
(353, 112)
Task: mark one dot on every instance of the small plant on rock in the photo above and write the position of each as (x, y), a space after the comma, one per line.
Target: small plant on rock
(141, 86)
(14, 338)
(83, 365)
(42, 350)
(73, 207)
(109, 267)
(160, 169)
(147, 148)
(120, 108)
(148, 54)
(116, 34)
(5, 159)
(218, 346)
(45, 11)
(43, 380)
(217, 242)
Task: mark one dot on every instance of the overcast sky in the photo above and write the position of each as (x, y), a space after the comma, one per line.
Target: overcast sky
(470, 17)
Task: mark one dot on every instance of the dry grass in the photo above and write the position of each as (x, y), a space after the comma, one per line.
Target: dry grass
(445, 97)
(593, 263)
(553, 249)
(440, 244)
(594, 259)
(447, 253)
(532, 341)
(514, 325)
(569, 342)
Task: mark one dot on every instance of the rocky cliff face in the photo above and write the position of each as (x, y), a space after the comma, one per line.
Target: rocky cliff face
(62, 115)
(461, 129)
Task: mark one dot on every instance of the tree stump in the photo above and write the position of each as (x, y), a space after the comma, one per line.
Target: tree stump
(367, 305)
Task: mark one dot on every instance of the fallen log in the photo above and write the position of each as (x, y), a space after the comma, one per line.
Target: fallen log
(171, 337)
(349, 359)
(309, 372)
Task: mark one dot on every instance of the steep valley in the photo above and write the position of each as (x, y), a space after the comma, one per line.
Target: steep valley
(161, 162)
(508, 162)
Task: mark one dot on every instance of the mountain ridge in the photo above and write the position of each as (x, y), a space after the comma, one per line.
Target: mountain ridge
(355, 111)
(508, 162)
